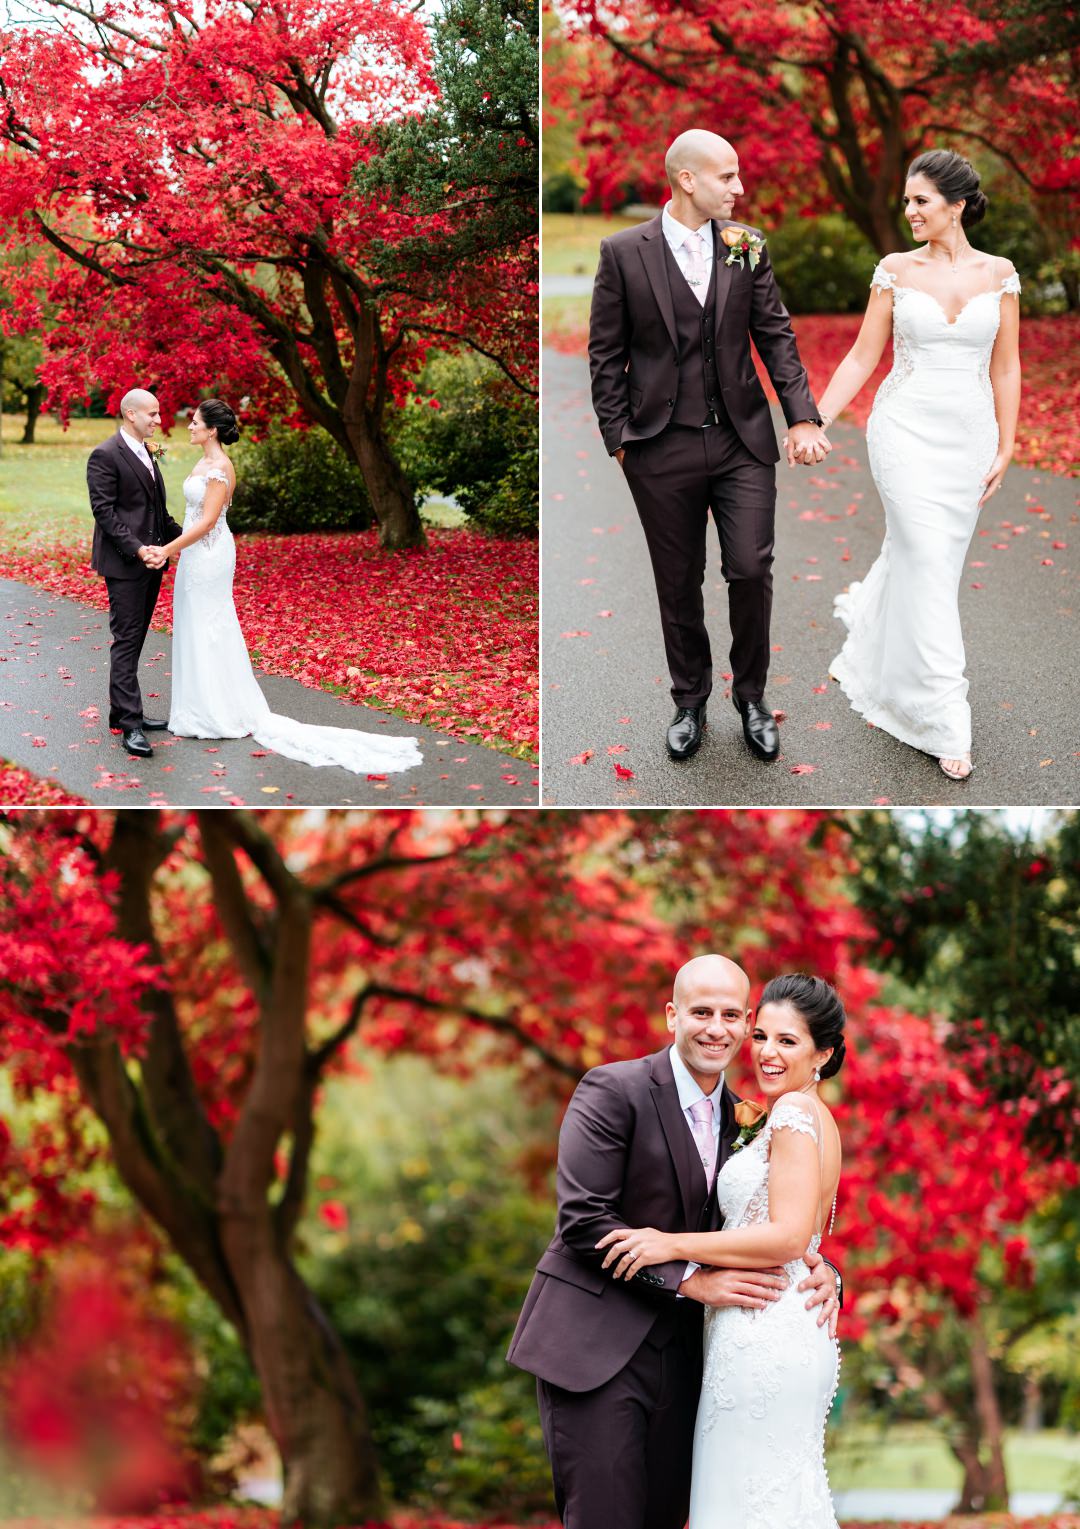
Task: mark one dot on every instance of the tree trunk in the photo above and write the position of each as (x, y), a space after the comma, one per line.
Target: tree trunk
(389, 490)
(213, 1200)
(35, 396)
(313, 1407)
(988, 1410)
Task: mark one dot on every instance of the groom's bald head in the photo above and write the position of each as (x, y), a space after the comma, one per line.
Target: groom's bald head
(695, 150)
(703, 173)
(137, 398)
(710, 971)
(140, 412)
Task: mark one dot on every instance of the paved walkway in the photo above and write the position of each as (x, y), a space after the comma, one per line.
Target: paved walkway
(54, 688)
(606, 699)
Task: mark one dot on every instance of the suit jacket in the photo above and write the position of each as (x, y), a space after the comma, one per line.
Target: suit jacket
(129, 510)
(633, 350)
(626, 1158)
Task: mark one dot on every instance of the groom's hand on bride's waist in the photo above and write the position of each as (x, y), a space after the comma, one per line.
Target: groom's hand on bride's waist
(824, 1284)
(754, 1288)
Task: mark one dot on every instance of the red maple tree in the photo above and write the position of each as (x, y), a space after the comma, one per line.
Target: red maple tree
(827, 102)
(195, 166)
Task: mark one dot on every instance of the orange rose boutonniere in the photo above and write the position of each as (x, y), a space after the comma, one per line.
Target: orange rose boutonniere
(749, 1117)
(157, 450)
(740, 242)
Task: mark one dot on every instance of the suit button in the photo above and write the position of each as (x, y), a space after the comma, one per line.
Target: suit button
(671, 403)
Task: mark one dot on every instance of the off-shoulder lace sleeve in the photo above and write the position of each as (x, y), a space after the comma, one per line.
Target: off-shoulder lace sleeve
(794, 1115)
(883, 279)
(217, 475)
(1011, 283)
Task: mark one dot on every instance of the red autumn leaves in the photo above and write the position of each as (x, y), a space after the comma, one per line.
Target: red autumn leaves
(446, 638)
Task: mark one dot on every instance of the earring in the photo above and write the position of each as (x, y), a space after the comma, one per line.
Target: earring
(817, 1075)
(954, 219)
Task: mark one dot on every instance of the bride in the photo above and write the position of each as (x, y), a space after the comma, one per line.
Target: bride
(769, 1375)
(940, 436)
(214, 691)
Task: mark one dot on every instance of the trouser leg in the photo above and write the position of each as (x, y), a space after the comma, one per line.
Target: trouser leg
(743, 499)
(620, 1454)
(668, 479)
(131, 607)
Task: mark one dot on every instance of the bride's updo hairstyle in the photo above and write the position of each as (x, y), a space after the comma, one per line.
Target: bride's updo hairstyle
(819, 1007)
(218, 416)
(956, 179)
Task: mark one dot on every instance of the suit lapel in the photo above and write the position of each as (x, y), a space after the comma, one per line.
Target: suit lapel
(728, 1129)
(688, 1170)
(655, 263)
(724, 274)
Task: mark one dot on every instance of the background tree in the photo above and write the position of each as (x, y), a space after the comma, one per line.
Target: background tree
(951, 1234)
(194, 168)
(982, 926)
(21, 388)
(828, 101)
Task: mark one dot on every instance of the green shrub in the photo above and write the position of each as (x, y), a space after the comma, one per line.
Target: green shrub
(297, 480)
(561, 192)
(822, 265)
(480, 445)
(426, 1283)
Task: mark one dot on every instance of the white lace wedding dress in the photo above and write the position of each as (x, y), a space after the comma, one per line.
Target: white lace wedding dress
(931, 436)
(769, 1377)
(215, 693)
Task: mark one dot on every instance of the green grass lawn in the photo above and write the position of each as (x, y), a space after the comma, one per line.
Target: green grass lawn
(913, 1456)
(43, 487)
(571, 241)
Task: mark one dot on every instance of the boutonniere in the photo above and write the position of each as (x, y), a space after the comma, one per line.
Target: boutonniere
(749, 1117)
(157, 450)
(740, 242)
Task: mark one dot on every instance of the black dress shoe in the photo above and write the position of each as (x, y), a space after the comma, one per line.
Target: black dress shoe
(686, 730)
(154, 725)
(135, 743)
(759, 728)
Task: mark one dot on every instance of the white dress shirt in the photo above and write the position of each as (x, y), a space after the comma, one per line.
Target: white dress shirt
(675, 233)
(690, 1091)
(139, 450)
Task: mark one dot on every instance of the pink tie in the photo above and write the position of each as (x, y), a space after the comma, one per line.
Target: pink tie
(701, 1114)
(696, 273)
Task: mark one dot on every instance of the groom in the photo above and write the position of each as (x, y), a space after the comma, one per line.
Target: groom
(127, 497)
(675, 305)
(618, 1365)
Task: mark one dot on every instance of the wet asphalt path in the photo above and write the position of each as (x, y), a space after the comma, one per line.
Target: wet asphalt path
(606, 701)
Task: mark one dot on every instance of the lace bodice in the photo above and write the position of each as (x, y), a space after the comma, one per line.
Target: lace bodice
(194, 499)
(742, 1188)
(924, 336)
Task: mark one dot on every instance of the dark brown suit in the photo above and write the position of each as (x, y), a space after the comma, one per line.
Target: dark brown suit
(129, 512)
(619, 1365)
(640, 371)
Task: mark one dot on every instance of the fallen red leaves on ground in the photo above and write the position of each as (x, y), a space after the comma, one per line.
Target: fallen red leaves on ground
(1048, 435)
(447, 638)
(19, 788)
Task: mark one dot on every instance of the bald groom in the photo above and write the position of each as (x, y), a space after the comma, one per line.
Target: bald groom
(618, 1364)
(675, 305)
(132, 523)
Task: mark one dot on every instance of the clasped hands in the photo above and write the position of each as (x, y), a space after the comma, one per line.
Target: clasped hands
(637, 1248)
(154, 557)
(806, 443)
